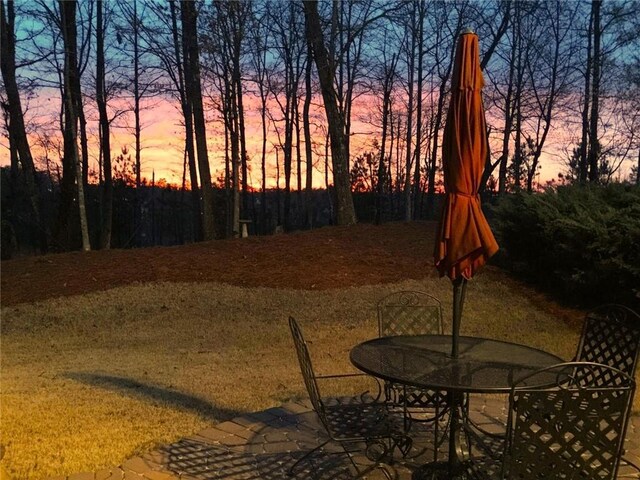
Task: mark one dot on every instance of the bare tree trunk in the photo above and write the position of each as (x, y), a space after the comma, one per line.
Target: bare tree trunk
(547, 112)
(137, 214)
(278, 209)
(345, 214)
(260, 38)
(68, 17)
(502, 29)
(235, 162)
(386, 107)
(409, 136)
(398, 148)
(14, 161)
(105, 143)
(17, 132)
(327, 140)
(84, 141)
(416, 175)
(583, 167)
(307, 141)
(243, 148)
(263, 162)
(194, 95)
(437, 124)
(508, 120)
(306, 122)
(237, 19)
(228, 194)
(288, 144)
(296, 125)
(594, 142)
(517, 162)
(188, 127)
(232, 126)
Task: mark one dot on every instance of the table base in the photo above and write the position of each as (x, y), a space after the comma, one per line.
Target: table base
(437, 471)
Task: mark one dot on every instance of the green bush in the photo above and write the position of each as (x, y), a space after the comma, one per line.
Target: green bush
(582, 243)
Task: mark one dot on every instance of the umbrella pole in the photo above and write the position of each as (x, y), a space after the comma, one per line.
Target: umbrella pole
(459, 290)
(456, 400)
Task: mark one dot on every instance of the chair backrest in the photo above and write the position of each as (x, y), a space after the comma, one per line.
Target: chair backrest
(307, 369)
(611, 336)
(409, 313)
(563, 424)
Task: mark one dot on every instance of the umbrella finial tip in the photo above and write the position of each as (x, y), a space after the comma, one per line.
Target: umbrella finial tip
(467, 30)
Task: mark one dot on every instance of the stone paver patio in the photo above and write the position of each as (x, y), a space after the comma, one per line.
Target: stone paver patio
(263, 445)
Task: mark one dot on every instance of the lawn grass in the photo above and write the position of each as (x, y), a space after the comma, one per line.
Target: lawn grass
(88, 381)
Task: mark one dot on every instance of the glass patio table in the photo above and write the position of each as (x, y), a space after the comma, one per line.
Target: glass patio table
(424, 361)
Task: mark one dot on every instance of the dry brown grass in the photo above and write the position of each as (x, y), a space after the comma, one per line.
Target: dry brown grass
(92, 374)
(87, 381)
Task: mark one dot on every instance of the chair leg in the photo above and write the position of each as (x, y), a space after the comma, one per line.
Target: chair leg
(291, 471)
(436, 424)
(390, 475)
(388, 471)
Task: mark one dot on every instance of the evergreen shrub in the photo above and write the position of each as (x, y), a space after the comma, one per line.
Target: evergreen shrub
(581, 243)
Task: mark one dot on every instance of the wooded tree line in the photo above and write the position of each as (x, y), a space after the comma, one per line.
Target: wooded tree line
(310, 79)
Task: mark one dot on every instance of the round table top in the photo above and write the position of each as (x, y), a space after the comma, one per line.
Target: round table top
(482, 366)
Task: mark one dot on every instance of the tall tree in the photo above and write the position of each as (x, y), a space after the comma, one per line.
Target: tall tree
(503, 161)
(345, 211)
(583, 162)
(18, 141)
(548, 68)
(494, 36)
(290, 48)
(233, 17)
(594, 143)
(83, 59)
(194, 97)
(411, 54)
(188, 124)
(444, 52)
(105, 141)
(521, 47)
(306, 124)
(133, 19)
(260, 37)
(72, 167)
(387, 79)
(421, 8)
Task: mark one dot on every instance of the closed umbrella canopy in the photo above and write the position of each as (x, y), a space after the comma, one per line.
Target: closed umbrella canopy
(464, 241)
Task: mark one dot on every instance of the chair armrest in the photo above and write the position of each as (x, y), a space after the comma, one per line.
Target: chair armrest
(340, 375)
(363, 395)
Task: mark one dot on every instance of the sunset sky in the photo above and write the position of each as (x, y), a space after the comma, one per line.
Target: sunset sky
(163, 137)
(163, 134)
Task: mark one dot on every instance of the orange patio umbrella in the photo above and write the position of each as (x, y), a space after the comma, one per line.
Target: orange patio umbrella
(464, 240)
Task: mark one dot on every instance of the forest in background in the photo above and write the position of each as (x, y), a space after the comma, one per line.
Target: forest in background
(562, 81)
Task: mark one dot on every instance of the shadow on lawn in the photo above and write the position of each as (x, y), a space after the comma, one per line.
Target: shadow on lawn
(153, 393)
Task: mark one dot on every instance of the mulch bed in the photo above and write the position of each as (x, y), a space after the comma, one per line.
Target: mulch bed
(330, 257)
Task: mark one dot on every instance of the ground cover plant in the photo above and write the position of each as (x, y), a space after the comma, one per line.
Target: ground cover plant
(579, 242)
(143, 347)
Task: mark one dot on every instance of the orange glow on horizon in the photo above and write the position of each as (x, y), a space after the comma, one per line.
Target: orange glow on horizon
(162, 140)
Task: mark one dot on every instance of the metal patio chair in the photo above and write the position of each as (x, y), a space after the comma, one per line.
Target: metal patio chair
(363, 425)
(611, 336)
(413, 313)
(567, 421)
